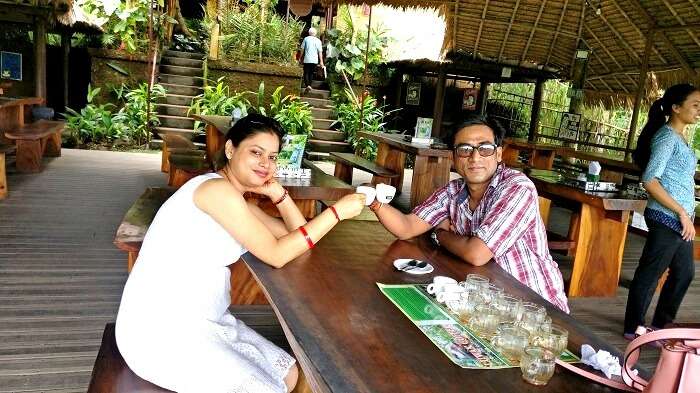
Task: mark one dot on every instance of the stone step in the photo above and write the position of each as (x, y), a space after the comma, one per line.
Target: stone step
(182, 89)
(321, 113)
(320, 85)
(318, 145)
(181, 80)
(178, 99)
(181, 70)
(189, 134)
(181, 61)
(323, 124)
(318, 102)
(328, 135)
(172, 110)
(176, 122)
(187, 55)
(315, 93)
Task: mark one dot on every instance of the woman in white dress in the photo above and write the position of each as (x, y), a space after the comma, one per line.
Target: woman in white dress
(173, 327)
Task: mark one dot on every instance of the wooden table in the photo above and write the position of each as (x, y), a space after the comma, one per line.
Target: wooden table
(612, 168)
(541, 155)
(599, 230)
(348, 337)
(430, 171)
(14, 113)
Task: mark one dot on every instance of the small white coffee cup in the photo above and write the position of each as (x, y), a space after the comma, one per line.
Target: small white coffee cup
(369, 192)
(385, 192)
(438, 283)
(446, 296)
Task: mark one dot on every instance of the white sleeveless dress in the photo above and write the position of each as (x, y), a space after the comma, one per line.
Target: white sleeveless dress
(173, 327)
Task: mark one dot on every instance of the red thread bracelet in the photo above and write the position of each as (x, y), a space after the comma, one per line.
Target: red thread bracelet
(335, 213)
(306, 236)
(282, 198)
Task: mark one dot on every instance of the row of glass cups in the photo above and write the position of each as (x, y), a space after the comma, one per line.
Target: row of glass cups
(521, 331)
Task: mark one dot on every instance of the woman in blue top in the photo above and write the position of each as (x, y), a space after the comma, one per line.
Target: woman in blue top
(668, 161)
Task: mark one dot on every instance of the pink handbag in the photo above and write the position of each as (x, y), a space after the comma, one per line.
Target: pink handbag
(678, 370)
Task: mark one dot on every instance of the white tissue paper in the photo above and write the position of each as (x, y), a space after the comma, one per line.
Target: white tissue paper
(601, 360)
(594, 168)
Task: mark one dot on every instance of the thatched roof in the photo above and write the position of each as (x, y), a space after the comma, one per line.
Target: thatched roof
(545, 34)
(69, 15)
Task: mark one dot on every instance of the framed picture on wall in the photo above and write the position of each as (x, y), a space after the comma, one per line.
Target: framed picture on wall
(11, 65)
(413, 94)
(469, 101)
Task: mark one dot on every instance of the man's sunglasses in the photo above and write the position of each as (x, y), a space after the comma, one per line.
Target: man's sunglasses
(466, 150)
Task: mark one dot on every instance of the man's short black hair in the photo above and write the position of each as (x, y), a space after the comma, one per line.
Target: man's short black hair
(476, 120)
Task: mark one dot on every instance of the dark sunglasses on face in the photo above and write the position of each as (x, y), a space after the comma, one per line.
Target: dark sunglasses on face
(466, 150)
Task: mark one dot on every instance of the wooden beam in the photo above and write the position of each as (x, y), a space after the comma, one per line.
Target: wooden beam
(640, 92)
(65, 46)
(621, 39)
(690, 27)
(481, 26)
(483, 97)
(639, 31)
(532, 32)
(536, 107)
(579, 39)
(622, 85)
(510, 26)
(40, 58)
(521, 25)
(605, 48)
(634, 71)
(652, 24)
(556, 32)
(682, 23)
(454, 25)
(439, 101)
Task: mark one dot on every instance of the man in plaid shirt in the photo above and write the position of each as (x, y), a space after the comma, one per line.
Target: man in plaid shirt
(490, 213)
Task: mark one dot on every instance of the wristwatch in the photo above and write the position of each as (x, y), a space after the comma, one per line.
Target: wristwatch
(434, 238)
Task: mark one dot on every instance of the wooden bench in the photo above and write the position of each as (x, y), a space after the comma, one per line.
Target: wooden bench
(186, 164)
(174, 142)
(4, 161)
(345, 162)
(34, 141)
(111, 374)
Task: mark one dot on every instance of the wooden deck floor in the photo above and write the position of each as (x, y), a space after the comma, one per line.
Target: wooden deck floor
(61, 278)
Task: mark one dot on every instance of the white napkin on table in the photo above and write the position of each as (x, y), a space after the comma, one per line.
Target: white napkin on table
(601, 360)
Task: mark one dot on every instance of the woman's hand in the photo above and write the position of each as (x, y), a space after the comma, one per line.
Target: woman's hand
(688, 227)
(350, 206)
(271, 189)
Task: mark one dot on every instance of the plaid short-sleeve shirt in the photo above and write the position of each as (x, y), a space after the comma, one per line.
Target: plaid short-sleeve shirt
(508, 220)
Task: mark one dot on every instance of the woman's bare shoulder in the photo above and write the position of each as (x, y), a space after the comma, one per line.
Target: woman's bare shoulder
(214, 192)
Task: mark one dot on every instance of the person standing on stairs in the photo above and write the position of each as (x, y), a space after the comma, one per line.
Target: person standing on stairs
(312, 56)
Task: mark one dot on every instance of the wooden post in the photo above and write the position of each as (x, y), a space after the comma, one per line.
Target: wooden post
(364, 73)
(536, 106)
(578, 81)
(640, 91)
(65, 45)
(483, 97)
(40, 58)
(439, 101)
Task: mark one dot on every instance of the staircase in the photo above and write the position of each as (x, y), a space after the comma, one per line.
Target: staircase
(182, 77)
(324, 139)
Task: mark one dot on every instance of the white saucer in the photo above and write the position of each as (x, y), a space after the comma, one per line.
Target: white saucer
(401, 263)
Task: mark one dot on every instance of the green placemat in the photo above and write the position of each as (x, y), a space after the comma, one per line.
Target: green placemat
(459, 343)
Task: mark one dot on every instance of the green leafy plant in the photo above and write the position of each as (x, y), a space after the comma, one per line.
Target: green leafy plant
(350, 44)
(353, 114)
(293, 114)
(258, 34)
(134, 113)
(217, 99)
(94, 123)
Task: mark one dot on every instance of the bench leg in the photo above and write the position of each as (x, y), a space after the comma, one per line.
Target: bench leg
(29, 155)
(343, 172)
(53, 145)
(177, 177)
(3, 177)
(164, 159)
(131, 261)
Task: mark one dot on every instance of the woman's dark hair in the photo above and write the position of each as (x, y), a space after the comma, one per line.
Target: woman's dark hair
(478, 120)
(254, 124)
(659, 111)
